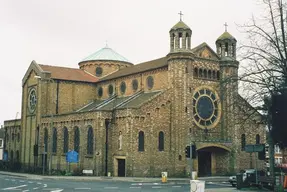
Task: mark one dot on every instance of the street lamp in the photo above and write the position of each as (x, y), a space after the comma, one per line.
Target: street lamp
(51, 126)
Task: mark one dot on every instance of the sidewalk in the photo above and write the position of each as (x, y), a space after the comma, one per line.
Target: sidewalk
(127, 179)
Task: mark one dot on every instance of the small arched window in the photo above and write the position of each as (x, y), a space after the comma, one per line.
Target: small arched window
(90, 139)
(54, 148)
(243, 142)
(195, 72)
(200, 74)
(213, 75)
(209, 74)
(161, 141)
(76, 139)
(141, 141)
(66, 140)
(257, 139)
(204, 73)
(46, 139)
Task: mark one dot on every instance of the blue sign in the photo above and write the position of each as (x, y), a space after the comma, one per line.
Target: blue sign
(72, 157)
(5, 156)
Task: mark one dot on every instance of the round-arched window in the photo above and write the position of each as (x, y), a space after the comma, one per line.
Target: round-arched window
(135, 84)
(99, 71)
(150, 82)
(100, 91)
(111, 90)
(123, 87)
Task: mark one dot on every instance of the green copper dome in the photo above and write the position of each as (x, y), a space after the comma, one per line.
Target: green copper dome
(105, 54)
(180, 25)
(226, 35)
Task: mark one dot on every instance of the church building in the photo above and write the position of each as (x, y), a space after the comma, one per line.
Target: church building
(137, 119)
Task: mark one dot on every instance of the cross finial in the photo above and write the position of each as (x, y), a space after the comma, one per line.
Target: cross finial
(180, 15)
(225, 24)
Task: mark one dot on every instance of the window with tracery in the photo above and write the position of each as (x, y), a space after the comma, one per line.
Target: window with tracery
(66, 140)
(90, 143)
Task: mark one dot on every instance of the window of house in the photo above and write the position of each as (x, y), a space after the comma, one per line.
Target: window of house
(99, 71)
(1, 143)
(135, 84)
(150, 82)
(66, 140)
(46, 139)
(111, 90)
(18, 137)
(141, 141)
(76, 139)
(243, 142)
(123, 87)
(257, 139)
(161, 141)
(90, 139)
(54, 146)
(100, 92)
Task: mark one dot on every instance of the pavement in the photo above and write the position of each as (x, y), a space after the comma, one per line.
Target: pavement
(215, 179)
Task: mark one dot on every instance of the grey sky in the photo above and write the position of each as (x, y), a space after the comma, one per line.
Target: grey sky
(62, 32)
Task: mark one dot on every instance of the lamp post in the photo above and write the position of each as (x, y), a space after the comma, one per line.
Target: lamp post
(51, 126)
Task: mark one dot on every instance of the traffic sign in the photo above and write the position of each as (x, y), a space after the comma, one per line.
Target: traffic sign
(254, 148)
(72, 157)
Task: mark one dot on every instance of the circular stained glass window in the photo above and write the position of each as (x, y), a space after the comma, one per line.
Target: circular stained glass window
(100, 92)
(99, 71)
(206, 108)
(150, 82)
(135, 84)
(123, 87)
(32, 100)
(111, 90)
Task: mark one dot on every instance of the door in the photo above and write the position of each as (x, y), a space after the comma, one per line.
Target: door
(121, 167)
(204, 163)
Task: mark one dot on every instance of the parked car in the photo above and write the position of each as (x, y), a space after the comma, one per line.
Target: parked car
(247, 174)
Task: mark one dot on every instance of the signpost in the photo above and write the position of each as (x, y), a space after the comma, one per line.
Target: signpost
(252, 149)
(72, 157)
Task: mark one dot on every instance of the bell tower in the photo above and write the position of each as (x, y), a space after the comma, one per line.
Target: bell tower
(180, 36)
(226, 45)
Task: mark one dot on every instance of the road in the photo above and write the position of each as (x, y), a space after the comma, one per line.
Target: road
(12, 183)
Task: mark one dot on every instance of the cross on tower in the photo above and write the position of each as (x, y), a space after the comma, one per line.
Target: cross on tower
(180, 15)
(225, 24)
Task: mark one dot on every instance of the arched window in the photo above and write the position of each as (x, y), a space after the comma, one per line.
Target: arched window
(200, 73)
(54, 146)
(204, 73)
(243, 142)
(195, 72)
(257, 139)
(213, 75)
(161, 141)
(90, 139)
(46, 139)
(77, 139)
(209, 74)
(66, 140)
(141, 141)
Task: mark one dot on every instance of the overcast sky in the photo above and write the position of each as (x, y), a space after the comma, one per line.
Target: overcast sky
(62, 32)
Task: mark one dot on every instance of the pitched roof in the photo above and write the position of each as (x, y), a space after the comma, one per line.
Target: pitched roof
(104, 54)
(226, 35)
(180, 25)
(146, 66)
(71, 74)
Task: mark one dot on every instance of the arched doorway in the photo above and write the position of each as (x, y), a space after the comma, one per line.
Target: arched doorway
(212, 159)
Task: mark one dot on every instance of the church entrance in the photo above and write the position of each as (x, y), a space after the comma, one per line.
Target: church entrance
(204, 163)
(121, 167)
(213, 159)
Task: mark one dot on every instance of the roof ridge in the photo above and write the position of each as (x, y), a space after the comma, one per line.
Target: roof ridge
(58, 66)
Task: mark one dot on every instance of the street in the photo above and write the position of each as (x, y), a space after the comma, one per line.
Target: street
(14, 183)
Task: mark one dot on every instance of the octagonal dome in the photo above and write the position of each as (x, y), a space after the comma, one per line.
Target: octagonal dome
(105, 54)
